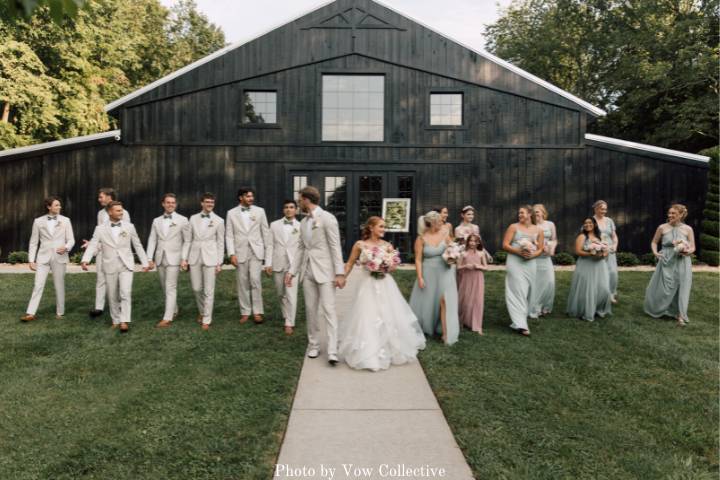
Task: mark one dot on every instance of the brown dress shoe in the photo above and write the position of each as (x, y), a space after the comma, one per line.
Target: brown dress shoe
(198, 319)
(206, 326)
(28, 318)
(288, 330)
(124, 327)
(163, 324)
(258, 319)
(244, 318)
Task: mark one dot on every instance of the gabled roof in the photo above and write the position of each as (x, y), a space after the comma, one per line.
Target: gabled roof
(488, 56)
(641, 147)
(113, 135)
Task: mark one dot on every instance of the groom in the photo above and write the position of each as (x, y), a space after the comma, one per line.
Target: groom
(320, 265)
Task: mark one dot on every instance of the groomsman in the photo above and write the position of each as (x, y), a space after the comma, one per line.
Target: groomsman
(168, 235)
(113, 242)
(249, 245)
(204, 254)
(53, 234)
(105, 197)
(285, 239)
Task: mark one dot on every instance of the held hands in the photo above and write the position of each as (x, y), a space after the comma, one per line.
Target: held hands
(33, 266)
(184, 265)
(85, 244)
(234, 261)
(218, 269)
(268, 271)
(84, 266)
(151, 265)
(340, 281)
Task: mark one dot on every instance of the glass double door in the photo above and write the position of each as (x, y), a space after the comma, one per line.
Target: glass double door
(353, 197)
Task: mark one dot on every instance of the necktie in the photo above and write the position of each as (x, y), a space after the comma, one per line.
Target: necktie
(119, 224)
(244, 209)
(52, 218)
(204, 215)
(167, 217)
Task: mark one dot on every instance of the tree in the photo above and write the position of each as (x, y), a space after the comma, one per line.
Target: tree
(651, 65)
(59, 9)
(710, 236)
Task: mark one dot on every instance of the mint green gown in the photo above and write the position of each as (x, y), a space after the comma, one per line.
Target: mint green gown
(612, 267)
(543, 296)
(668, 293)
(520, 279)
(590, 289)
(439, 281)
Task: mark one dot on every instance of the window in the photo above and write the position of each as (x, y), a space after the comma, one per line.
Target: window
(260, 107)
(335, 194)
(299, 182)
(446, 109)
(353, 108)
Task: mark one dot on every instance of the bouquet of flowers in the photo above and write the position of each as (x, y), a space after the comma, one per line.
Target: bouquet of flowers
(527, 245)
(681, 246)
(597, 248)
(549, 247)
(452, 253)
(379, 260)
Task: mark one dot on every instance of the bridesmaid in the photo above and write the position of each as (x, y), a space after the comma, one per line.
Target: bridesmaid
(445, 225)
(466, 227)
(543, 296)
(523, 242)
(608, 234)
(434, 297)
(471, 283)
(590, 289)
(668, 292)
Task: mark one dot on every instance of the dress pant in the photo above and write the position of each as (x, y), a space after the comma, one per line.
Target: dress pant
(119, 292)
(249, 285)
(41, 274)
(202, 279)
(100, 286)
(288, 298)
(168, 280)
(320, 307)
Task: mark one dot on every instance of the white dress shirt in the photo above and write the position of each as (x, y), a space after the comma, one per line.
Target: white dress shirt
(166, 223)
(245, 217)
(51, 223)
(115, 231)
(307, 231)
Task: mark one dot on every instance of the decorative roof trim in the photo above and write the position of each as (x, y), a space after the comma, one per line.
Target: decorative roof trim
(549, 86)
(61, 143)
(647, 148)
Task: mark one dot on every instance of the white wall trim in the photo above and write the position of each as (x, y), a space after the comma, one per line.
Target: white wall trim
(59, 143)
(647, 148)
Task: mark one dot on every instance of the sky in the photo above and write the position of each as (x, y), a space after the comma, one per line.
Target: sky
(462, 20)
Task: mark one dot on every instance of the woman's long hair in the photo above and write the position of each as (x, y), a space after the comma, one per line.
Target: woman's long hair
(479, 245)
(371, 222)
(596, 228)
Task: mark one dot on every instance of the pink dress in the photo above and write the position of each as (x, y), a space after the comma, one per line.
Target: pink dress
(471, 291)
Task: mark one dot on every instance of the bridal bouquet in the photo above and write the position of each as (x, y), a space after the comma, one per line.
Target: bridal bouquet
(681, 246)
(379, 260)
(527, 245)
(452, 253)
(597, 248)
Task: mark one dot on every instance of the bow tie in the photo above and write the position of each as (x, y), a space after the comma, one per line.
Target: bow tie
(288, 222)
(244, 209)
(52, 218)
(119, 224)
(168, 217)
(204, 215)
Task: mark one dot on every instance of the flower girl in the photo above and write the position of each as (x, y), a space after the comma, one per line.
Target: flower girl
(380, 329)
(471, 283)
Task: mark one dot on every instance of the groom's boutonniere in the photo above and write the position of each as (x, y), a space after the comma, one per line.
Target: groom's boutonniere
(211, 224)
(173, 224)
(123, 233)
(252, 218)
(316, 225)
(295, 231)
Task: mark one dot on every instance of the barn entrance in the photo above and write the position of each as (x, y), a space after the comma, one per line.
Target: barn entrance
(353, 197)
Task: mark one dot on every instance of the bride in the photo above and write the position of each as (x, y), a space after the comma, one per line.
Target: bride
(380, 328)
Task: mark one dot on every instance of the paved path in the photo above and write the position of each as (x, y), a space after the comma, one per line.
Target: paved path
(387, 423)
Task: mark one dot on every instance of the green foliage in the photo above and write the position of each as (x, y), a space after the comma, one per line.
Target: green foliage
(648, 259)
(55, 78)
(18, 257)
(627, 259)
(711, 258)
(500, 257)
(709, 242)
(651, 65)
(59, 9)
(710, 236)
(564, 258)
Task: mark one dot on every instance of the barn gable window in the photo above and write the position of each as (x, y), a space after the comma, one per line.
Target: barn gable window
(353, 108)
(446, 109)
(260, 107)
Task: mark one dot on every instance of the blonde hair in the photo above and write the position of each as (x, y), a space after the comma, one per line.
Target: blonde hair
(682, 210)
(541, 207)
(426, 221)
(598, 203)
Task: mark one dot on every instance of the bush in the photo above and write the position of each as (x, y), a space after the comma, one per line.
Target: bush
(710, 227)
(711, 258)
(648, 259)
(710, 236)
(563, 258)
(18, 257)
(627, 259)
(708, 242)
(500, 257)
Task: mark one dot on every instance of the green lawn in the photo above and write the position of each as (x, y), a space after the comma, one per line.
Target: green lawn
(625, 397)
(78, 400)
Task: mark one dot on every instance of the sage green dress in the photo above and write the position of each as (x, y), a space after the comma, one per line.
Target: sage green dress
(590, 289)
(612, 267)
(668, 293)
(543, 296)
(439, 281)
(520, 279)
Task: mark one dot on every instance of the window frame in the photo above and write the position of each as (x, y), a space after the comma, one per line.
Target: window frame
(251, 125)
(446, 90)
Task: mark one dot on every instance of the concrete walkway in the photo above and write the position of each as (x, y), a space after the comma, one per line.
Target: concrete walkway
(349, 424)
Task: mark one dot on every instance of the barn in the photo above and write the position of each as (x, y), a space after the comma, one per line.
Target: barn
(364, 103)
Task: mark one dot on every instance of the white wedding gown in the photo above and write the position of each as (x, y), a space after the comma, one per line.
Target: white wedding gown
(379, 329)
